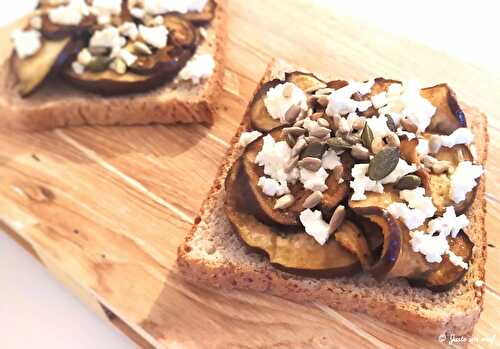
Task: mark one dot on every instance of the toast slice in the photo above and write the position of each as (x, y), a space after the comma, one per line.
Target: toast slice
(57, 104)
(213, 254)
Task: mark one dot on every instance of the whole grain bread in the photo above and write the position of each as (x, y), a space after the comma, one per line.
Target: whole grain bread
(57, 104)
(213, 254)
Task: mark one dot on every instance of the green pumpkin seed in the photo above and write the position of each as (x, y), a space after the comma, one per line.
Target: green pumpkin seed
(409, 182)
(383, 163)
(313, 150)
(100, 51)
(339, 143)
(98, 64)
(367, 136)
(390, 123)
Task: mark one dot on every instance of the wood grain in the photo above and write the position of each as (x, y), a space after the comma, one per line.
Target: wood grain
(104, 209)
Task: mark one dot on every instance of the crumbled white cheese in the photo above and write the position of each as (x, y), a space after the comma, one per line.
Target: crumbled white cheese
(248, 137)
(103, 19)
(199, 67)
(314, 180)
(434, 244)
(409, 135)
(158, 7)
(423, 147)
(77, 67)
(277, 105)
(330, 160)
(129, 29)
(378, 125)
(26, 43)
(272, 187)
(352, 118)
(432, 247)
(137, 12)
(449, 223)
(406, 100)
(457, 260)
(36, 22)
(361, 183)
(108, 37)
(71, 14)
(315, 226)
(128, 57)
(402, 169)
(154, 36)
(461, 135)
(463, 180)
(419, 208)
(113, 7)
(84, 57)
(478, 283)
(341, 103)
(379, 100)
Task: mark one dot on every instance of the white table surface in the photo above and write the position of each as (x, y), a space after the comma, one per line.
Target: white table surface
(37, 312)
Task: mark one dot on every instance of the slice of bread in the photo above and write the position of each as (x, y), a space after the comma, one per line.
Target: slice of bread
(213, 254)
(57, 104)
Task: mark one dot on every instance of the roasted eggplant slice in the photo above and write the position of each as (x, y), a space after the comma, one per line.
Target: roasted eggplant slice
(111, 83)
(355, 242)
(53, 31)
(170, 59)
(31, 72)
(438, 185)
(307, 82)
(260, 119)
(181, 33)
(449, 116)
(203, 17)
(335, 193)
(379, 85)
(289, 248)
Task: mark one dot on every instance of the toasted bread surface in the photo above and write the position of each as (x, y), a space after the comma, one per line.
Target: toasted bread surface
(212, 254)
(58, 104)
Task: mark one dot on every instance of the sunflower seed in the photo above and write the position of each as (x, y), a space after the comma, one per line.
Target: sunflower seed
(322, 100)
(352, 139)
(325, 91)
(141, 48)
(283, 202)
(316, 116)
(291, 164)
(311, 164)
(288, 90)
(299, 123)
(339, 143)
(292, 113)
(99, 64)
(313, 200)
(323, 122)
(383, 163)
(290, 140)
(294, 131)
(409, 126)
(359, 152)
(359, 123)
(100, 50)
(435, 143)
(337, 219)
(460, 155)
(84, 57)
(428, 161)
(367, 136)
(118, 66)
(377, 145)
(393, 139)
(312, 139)
(336, 122)
(299, 146)
(440, 166)
(391, 125)
(408, 182)
(320, 132)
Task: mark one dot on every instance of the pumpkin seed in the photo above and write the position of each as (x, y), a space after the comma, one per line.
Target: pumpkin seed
(312, 200)
(100, 50)
(367, 136)
(98, 64)
(292, 113)
(391, 125)
(311, 164)
(337, 219)
(383, 163)
(313, 150)
(359, 152)
(408, 182)
(284, 202)
(339, 143)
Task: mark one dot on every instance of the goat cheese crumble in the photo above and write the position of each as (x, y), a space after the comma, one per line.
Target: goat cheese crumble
(248, 137)
(340, 101)
(461, 135)
(199, 67)
(463, 180)
(26, 42)
(315, 226)
(277, 104)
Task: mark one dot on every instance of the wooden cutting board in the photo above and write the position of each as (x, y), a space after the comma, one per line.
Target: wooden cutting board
(104, 209)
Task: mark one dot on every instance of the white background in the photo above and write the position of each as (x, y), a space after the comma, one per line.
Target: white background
(37, 312)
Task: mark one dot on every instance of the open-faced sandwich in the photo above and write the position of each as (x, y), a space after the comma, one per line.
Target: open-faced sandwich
(108, 62)
(365, 196)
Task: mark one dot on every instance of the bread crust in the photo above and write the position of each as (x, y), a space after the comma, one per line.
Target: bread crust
(57, 104)
(229, 265)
